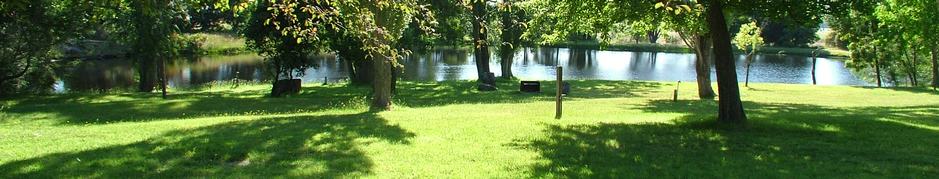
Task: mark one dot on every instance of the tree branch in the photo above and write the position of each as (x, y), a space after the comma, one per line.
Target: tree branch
(17, 75)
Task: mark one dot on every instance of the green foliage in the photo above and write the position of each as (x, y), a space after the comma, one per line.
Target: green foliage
(29, 32)
(748, 38)
(286, 53)
(783, 35)
(888, 34)
(452, 23)
(512, 24)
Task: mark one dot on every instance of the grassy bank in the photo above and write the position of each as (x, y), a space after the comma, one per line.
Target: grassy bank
(223, 44)
(669, 48)
(610, 129)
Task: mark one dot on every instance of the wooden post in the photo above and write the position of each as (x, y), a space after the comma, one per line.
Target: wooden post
(560, 84)
(675, 96)
(325, 80)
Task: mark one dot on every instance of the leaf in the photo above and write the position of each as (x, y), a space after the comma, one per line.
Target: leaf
(659, 5)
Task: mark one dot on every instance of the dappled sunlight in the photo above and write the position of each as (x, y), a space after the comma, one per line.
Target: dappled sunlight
(764, 149)
(779, 140)
(609, 129)
(321, 146)
(920, 126)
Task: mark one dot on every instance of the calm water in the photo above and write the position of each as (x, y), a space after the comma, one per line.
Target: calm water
(440, 65)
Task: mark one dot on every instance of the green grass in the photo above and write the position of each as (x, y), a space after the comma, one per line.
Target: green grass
(610, 129)
(223, 44)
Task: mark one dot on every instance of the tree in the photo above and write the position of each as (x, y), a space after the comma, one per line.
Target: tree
(911, 23)
(29, 32)
(513, 25)
(480, 12)
(152, 41)
(787, 35)
(690, 25)
(26, 39)
(287, 54)
(376, 24)
(889, 36)
(563, 17)
(730, 108)
(452, 19)
(748, 39)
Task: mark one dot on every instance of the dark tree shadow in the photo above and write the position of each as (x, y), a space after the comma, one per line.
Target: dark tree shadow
(133, 107)
(922, 90)
(780, 140)
(303, 146)
(429, 94)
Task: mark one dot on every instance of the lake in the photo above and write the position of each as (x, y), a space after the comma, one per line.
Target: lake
(449, 64)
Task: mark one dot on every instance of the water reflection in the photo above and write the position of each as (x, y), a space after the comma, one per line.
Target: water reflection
(452, 64)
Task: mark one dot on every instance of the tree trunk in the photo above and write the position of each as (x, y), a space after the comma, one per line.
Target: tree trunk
(146, 70)
(509, 42)
(507, 59)
(481, 47)
(163, 76)
(877, 68)
(653, 36)
(363, 72)
(730, 107)
(349, 68)
(746, 80)
(814, 62)
(913, 75)
(935, 67)
(381, 86)
(703, 67)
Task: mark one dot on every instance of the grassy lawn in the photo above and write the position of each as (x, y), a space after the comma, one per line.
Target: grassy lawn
(223, 44)
(610, 129)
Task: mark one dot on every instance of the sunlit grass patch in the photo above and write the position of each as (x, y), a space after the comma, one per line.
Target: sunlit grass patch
(609, 129)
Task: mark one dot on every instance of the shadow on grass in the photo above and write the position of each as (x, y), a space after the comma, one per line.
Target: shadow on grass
(922, 90)
(124, 107)
(428, 94)
(304, 146)
(781, 140)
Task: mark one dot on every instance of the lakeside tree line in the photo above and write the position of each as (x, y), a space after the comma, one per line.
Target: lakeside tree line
(890, 39)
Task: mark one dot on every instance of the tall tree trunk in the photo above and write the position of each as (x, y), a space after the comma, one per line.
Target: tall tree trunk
(935, 66)
(364, 75)
(746, 80)
(877, 68)
(730, 107)
(146, 70)
(163, 76)
(481, 44)
(703, 67)
(509, 45)
(507, 60)
(349, 68)
(382, 84)
(814, 62)
(913, 75)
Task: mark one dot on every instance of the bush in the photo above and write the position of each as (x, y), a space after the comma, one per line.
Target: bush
(830, 39)
(39, 79)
